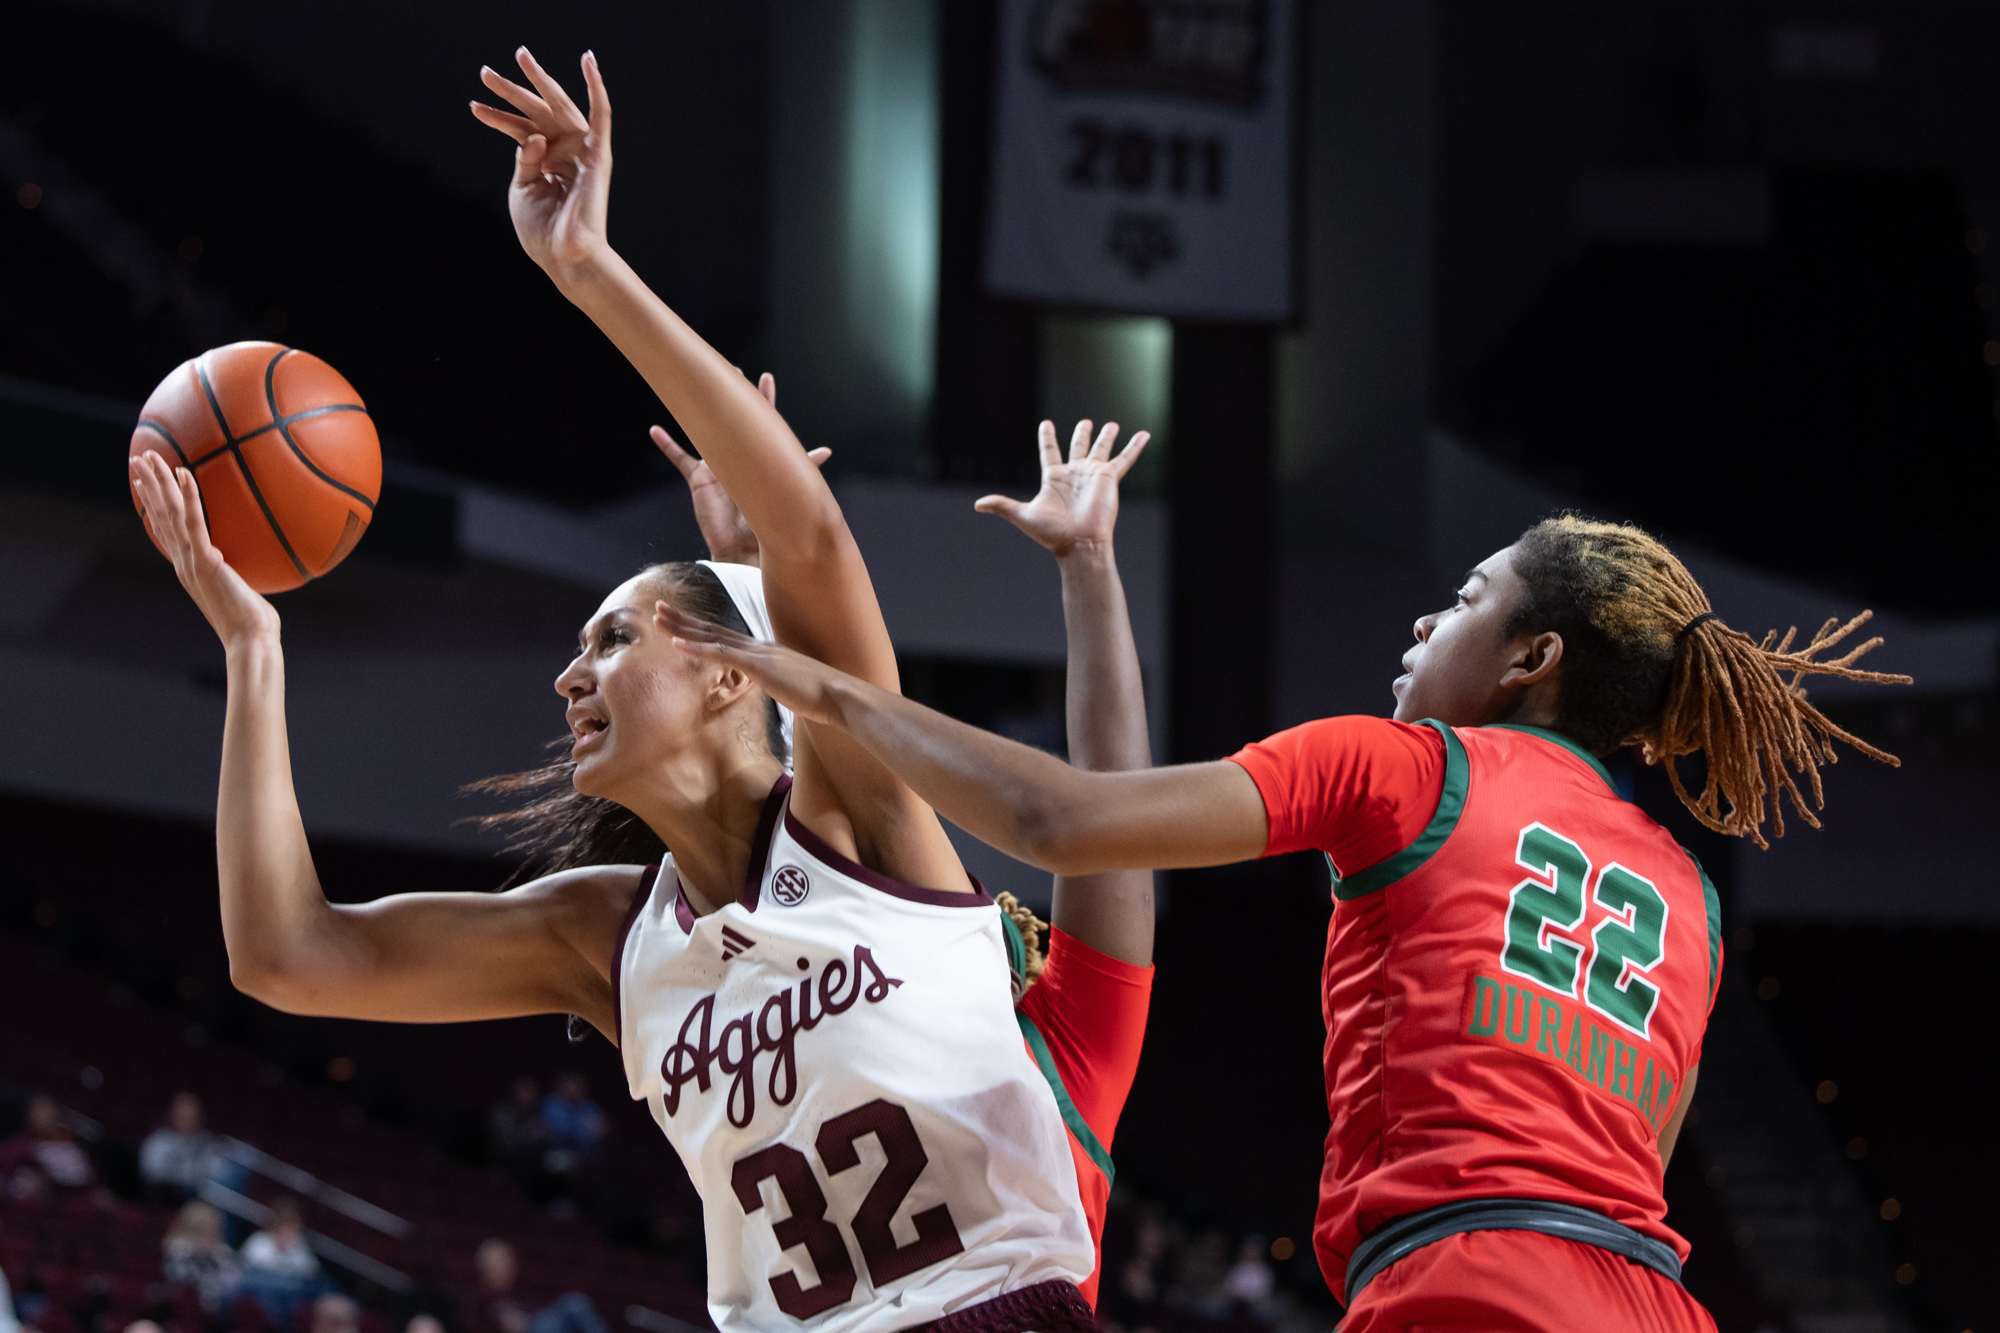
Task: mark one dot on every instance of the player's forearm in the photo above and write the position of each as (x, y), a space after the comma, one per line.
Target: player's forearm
(273, 912)
(740, 435)
(1106, 702)
(1112, 912)
(1007, 795)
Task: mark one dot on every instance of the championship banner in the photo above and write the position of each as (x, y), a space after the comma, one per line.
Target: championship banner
(1143, 157)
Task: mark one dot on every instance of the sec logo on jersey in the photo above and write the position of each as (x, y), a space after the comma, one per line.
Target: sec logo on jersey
(790, 886)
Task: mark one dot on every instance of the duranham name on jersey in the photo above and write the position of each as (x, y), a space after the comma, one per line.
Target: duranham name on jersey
(835, 1057)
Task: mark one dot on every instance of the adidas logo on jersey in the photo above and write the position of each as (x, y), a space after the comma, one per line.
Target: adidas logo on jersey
(735, 942)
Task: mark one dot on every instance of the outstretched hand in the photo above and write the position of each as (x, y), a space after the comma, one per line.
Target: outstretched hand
(1078, 501)
(170, 504)
(722, 524)
(561, 191)
(803, 684)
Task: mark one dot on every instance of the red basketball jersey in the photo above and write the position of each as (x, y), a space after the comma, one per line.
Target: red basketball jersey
(1085, 1022)
(1514, 998)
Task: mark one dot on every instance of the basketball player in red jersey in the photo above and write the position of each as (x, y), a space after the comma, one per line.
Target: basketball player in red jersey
(1083, 1008)
(1520, 964)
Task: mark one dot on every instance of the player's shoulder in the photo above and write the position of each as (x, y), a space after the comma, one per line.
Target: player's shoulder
(584, 890)
(1354, 735)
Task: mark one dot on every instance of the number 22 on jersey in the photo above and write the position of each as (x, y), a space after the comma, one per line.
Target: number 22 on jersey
(1627, 943)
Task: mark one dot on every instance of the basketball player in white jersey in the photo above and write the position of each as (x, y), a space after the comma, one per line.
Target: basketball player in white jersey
(1083, 1006)
(818, 996)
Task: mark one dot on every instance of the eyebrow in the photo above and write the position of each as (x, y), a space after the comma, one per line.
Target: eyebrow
(1474, 573)
(583, 635)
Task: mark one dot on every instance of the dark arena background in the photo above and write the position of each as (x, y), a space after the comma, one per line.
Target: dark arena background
(1726, 270)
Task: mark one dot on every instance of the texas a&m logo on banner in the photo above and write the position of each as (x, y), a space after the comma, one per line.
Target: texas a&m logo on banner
(1142, 156)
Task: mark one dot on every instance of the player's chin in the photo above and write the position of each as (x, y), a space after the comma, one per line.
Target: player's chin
(1404, 688)
(592, 775)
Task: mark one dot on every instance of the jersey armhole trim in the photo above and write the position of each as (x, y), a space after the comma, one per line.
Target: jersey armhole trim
(1072, 1117)
(647, 878)
(1714, 906)
(1451, 804)
(819, 849)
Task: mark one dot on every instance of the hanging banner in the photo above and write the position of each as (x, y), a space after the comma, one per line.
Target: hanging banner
(1143, 156)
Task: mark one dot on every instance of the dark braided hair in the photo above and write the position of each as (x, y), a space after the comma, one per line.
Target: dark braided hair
(1647, 662)
(557, 827)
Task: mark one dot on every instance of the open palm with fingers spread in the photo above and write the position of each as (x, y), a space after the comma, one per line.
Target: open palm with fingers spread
(562, 169)
(1078, 502)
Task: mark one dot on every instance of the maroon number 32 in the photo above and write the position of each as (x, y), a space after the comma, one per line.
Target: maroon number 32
(937, 1236)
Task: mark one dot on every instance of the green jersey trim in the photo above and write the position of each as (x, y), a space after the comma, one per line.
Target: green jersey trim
(1451, 804)
(1714, 906)
(1567, 744)
(1071, 1116)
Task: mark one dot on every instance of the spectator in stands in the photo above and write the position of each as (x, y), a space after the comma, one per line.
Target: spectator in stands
(518, 1136)
(1250, 1284)
(177, 1158)
(27, 1183)
(194, 1254)
(574, 1125)
(48, 1145)
(1135, 1295)
(496, 1309)
(1203, 1268)
(279, 1267)
(335, 1313)
(30, 1299)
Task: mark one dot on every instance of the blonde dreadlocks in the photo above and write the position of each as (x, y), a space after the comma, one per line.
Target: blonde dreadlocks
(1031, 928)
(1647, 662)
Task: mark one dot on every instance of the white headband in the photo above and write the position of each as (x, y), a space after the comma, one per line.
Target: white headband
(745, 586)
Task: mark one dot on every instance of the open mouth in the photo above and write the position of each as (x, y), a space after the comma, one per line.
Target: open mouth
(588, 731)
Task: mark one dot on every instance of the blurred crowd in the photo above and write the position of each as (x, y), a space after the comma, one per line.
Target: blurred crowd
(227, 1264)
(1166, 1273)
(552, 1146)
(256, 1268)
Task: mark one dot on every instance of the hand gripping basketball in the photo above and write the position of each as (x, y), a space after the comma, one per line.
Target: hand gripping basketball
(170, 504)
(283, 450)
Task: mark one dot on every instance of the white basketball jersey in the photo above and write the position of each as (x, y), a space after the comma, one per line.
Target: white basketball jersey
(836, 1059)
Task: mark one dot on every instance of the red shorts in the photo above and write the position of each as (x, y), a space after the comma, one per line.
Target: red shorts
(1522, 1282)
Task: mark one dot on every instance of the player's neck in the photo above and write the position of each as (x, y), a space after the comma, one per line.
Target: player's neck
(1532, 706)
(706, 810)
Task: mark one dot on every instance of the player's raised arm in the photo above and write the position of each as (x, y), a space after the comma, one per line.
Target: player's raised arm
(727, 533)
(421, 957)
(1073, 516)
(559, 200)
(818, 590)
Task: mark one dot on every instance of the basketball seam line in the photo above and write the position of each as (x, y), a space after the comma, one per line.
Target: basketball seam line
(286, 421)
(158, 429)
(283, 425)
(243, 466)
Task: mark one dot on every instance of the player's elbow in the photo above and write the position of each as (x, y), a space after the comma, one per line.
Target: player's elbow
(260, 978)
(270, 977)
(1053, 837)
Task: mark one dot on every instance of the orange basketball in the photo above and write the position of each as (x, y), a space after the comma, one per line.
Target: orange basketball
(283, 450)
